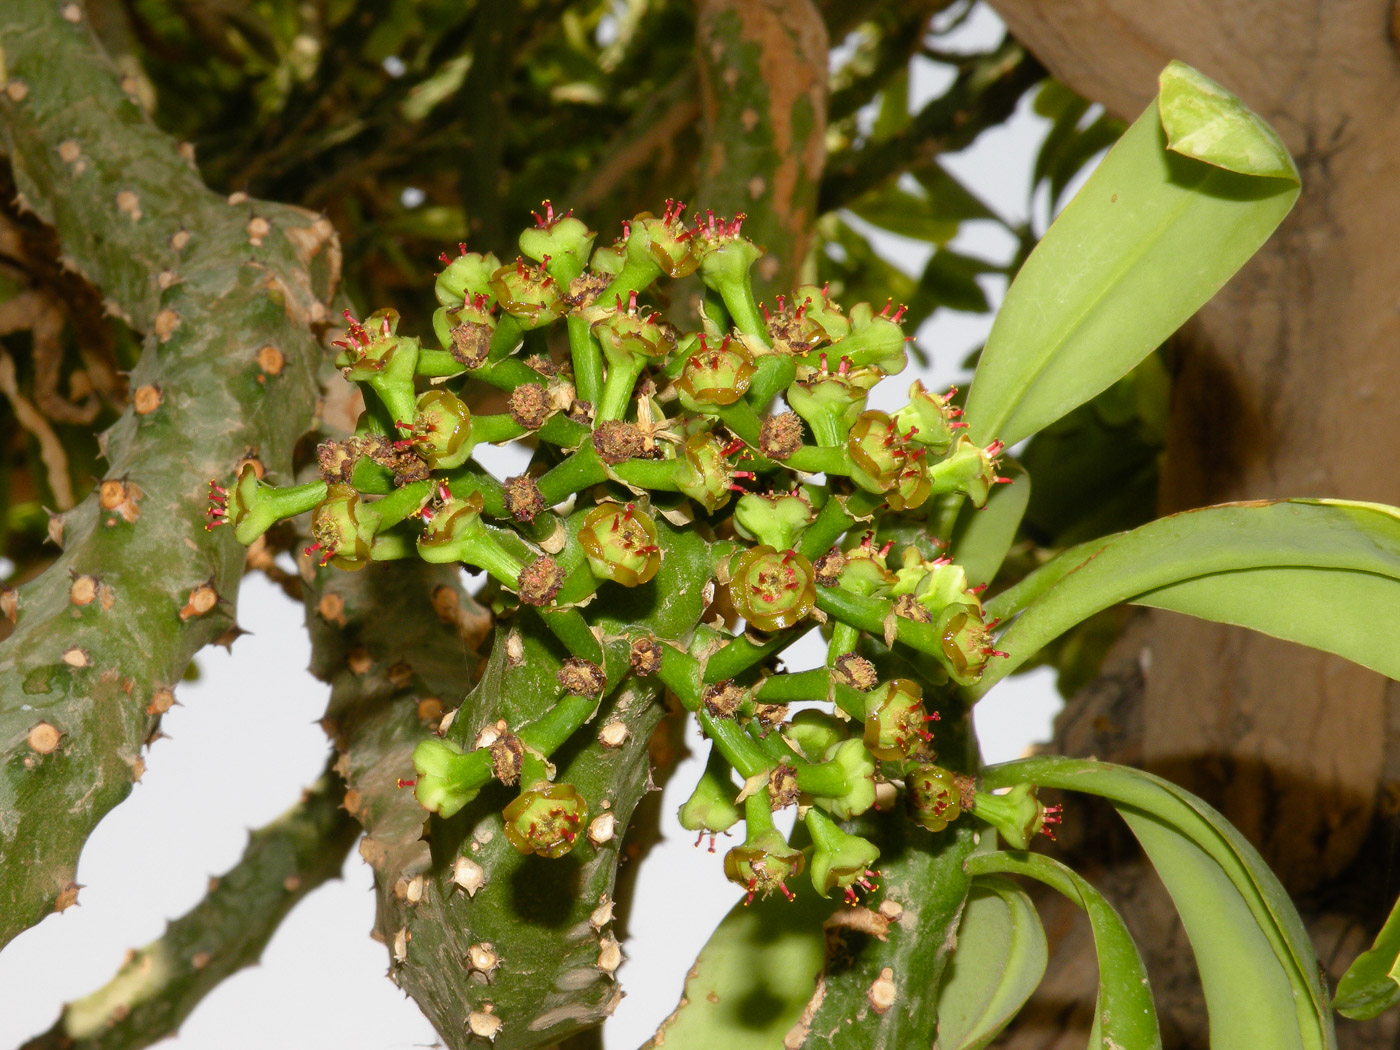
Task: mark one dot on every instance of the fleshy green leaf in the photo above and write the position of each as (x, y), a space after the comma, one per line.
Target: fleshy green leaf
(1257, 965)
(982, 537)
(752, 979)
(1371, 985)
(1148, 240)
(1230, 564)
(1000, 959)
(1204, 121)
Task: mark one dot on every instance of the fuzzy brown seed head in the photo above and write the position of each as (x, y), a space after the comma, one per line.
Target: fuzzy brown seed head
(782, 786)
(529, 406)
(617, 442)
(540, 581)
(523, 499)
(723, 698)
(507, 756)
(829, 567)
(645, 656)
(581, 412)
(908, 607)
(584, 289)
(336, 460)
(770, 716)
(780, 436)
(856, 671)
(967, 790)
(582, 678)
(541, 364)
(471, 342)
(146, 399)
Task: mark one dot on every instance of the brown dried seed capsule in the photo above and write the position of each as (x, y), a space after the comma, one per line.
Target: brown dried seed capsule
(617, 442)
(581, 412)
(507, 756)
(540, 581)
(829, 567)
(529, 406)
(523, 499)
(782, 786)
(780, 436)
(723, 698)
(470, 344)
(645, 656)
(855, 671)
(581, 677)
(541, 364)
(907, 606)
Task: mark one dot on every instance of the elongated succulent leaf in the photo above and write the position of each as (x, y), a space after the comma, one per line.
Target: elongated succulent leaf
(999, 961)
(101, 637)
(982, 536)
(1230, 563)
(1153, 234)
(753, 979)
(1371, 984)
(1258, 969)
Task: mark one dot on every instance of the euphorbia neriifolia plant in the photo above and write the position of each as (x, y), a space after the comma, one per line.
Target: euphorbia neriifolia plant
(706, 484)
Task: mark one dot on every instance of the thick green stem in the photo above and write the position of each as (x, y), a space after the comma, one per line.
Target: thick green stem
(587, 357)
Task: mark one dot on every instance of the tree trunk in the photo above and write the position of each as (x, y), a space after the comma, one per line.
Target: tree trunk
(1283, 386)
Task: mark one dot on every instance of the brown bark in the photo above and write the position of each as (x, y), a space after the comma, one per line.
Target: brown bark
(1284, 385)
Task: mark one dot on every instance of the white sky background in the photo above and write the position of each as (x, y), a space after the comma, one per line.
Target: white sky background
(245, 741)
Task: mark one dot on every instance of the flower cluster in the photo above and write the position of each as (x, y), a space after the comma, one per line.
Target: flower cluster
(752, 426)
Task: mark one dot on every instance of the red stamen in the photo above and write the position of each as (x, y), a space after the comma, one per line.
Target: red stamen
(405, 783)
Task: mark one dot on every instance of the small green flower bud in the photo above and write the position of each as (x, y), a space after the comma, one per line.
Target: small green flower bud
(863, 570)
(710, 810)
(703, 473)
(626, 334)
(830, 401)
(545, 819)
(839, 860)
(725, 254)
(877, 450)
(441, 432)
(1018, 815)
(895, 720)
(821, 311)
(815, 732)
(667, 241)
(450, 528)
(935, 796)
(764, 864)
(465, 330)
(253, 507)
(966, 641)
(968, 469)
(341, 538)
(527, 293)
(560, 243)
(465, 277)
(935, 584)
(447, 778)
(620, 543)
(375, 354)
(772, 590)
(859, 766)
(778, 519)
(928, 419)
(715, 375)
(876, 340)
